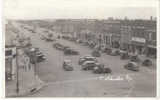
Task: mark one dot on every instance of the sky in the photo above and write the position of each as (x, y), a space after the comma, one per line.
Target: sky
(77, 9)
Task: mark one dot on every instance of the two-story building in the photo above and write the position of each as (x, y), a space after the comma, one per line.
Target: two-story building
(10, 53)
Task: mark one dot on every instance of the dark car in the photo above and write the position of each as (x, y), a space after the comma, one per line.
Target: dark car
(132, 66)
(124, 55)
(67, 65)
(134, 58)
(96, 53)
(69, 51)
(40, 56)
(107, 51)
(50, 39)
(99, 69)
(147, 62)
(87, 58)
(58, 46)
(89, 65)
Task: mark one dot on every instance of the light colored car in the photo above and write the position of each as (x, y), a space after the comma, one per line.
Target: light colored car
(87, 58)
(67, 65)
(89, 65)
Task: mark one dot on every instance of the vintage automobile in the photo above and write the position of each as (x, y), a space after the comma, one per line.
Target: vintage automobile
(114, 52)
(134, 58)
(67, 65)
(69, 51)
(58, 46)
(79, 41)
(89, 65)
(132, 66)
(87, 58)
(147, 62)
(124, 55)
(40, 56)
(107, 50)
(96, 53)
(99, 69)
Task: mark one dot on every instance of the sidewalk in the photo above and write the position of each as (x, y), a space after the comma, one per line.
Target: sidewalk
(28, 83)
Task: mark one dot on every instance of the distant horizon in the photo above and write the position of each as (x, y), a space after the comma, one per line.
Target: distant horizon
(114, 18)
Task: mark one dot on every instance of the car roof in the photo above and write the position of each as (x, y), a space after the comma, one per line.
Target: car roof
(134, 63)
(90, 57)
(88, 62)
(86, 56)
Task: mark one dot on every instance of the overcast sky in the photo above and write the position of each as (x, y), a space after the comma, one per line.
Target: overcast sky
(101, 9)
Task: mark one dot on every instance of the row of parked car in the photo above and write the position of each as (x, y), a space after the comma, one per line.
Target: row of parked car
(66, 49)
(48, 38)
(133, 63)
(87, 63)
(91, 63)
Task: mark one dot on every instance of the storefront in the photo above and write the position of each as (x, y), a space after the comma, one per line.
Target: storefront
(115, 41)
(138, 45)
(10, 63)
(151, 51)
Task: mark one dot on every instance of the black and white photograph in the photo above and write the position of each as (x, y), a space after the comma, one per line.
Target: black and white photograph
(80, 48)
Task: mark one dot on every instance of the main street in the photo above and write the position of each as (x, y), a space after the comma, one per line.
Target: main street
(85, 83)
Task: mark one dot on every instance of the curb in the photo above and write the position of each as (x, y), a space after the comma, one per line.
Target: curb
(30, 91)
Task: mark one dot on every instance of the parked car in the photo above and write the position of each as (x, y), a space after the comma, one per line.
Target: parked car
(99, 69)
(124, 55)
(67, 65)
(115, 52)
(96, 53)
(69, 51)
(50, 39)
(134, 58)
(89, 65)
(79, 41)
(132, 66)
(87, 58)
(147, 62)
(58, 46)
(40, 57)
(107, 51)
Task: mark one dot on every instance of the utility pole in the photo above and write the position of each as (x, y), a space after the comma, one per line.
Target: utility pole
(17, 83)
(35, 63)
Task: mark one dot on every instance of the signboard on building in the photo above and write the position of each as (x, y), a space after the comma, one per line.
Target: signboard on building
(138, 39)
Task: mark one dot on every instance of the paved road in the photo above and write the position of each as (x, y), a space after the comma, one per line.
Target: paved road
(85, 83)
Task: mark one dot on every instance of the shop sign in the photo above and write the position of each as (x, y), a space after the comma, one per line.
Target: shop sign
(138, 39)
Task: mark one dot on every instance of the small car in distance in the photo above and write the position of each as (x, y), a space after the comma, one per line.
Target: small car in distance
(96, 53)
(69, 51)
(132, 66)
(67, 65)
(114, 52)
(124, 55)
(100, 69)
(87, 58)
(134, 58)
(89, 65)
(147, 62)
